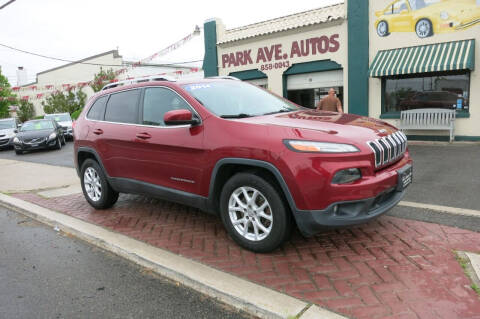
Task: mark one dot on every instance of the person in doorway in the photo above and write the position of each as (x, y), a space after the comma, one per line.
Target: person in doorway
(330, 103)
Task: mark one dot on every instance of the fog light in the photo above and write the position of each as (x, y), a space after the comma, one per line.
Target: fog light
(346, 176)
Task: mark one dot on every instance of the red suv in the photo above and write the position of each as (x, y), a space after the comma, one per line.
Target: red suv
(228, 147)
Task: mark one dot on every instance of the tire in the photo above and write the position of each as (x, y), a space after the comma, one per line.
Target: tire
(64, 142)
(382, 28)
(424, 28)
(101, 195)
(275, 218)
(18, 152)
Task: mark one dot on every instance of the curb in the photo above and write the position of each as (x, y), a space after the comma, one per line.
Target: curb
(244, 295)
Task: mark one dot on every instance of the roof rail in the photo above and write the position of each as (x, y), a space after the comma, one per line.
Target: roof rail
(138, 80)
(225, 77)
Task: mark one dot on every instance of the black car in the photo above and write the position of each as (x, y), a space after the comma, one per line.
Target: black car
(39, 134)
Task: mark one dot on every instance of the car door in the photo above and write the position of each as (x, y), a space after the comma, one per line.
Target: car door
(171, 156)
(114, 136)
(401, 19)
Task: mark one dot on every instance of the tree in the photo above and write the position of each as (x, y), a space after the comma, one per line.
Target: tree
(7, 98)
(61, 102)
(25, 111)
(102, 78)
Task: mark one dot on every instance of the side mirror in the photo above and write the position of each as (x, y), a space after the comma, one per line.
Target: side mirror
(179, 117)
(15, 131)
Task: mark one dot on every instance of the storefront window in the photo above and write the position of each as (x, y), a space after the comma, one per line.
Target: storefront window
(446, 91)
(310, 97)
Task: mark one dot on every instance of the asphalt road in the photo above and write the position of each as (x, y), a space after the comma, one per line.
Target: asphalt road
(63, 157)
(45, 274)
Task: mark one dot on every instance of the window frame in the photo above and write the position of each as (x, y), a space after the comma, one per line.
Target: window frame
(137, 105)
(396, 114)
(142, 100)
(102, 118)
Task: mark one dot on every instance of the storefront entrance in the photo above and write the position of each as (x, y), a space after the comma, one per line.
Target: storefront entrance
(309, 88)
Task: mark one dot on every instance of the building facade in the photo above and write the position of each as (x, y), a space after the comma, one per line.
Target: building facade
(381, 57)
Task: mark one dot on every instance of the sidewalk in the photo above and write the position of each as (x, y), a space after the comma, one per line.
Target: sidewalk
(389, 268)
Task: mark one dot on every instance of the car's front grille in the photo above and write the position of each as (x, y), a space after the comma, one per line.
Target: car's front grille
(388, 148)
(4, 141)
(34, 140)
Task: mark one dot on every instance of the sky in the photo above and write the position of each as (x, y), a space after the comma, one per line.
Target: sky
(76, 29)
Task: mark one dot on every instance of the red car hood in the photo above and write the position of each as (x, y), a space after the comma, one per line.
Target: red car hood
(334, 125)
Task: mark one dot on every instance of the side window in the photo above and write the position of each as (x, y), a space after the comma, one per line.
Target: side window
(97, 110)
(122, 107)
(157, 102)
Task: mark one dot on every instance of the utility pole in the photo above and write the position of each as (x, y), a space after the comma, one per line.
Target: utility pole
(6, 4)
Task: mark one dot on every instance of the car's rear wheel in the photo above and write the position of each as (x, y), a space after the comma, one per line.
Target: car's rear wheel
(95, 186)
(254, 213)
(382, 28)
(424, 28)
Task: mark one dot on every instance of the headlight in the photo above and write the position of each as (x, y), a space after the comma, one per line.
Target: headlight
(346, 176)
(52, 136)
(16, 140)
(320, 147)
(444, 15)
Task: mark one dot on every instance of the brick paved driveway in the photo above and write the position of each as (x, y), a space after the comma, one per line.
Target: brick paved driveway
(390, 268)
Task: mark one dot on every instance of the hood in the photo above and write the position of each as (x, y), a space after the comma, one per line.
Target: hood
(6, 131)
(331, 126)
(27, 136)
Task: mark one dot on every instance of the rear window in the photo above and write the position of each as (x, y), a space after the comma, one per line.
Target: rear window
(123, 107)
(97, 110)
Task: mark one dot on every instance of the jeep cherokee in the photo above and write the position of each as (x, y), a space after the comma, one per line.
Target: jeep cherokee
(261, 162)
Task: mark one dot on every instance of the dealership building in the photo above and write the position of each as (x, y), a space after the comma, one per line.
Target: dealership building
(381, 57)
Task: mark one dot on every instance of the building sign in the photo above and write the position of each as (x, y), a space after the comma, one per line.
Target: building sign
(276, 56)
(427, 17)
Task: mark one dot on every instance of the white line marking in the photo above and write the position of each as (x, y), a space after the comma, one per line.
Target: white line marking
(445, 209)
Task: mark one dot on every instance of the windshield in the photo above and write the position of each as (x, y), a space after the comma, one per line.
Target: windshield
(237, 99)
(7, 124)
(58, 117)
(37, 126)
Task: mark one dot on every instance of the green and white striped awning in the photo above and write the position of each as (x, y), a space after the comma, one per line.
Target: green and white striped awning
(448, 56)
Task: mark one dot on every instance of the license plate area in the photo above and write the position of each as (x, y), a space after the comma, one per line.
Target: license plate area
(405, 177)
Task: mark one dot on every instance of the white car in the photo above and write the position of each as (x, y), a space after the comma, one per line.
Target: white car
(8, 130)
(64, 120)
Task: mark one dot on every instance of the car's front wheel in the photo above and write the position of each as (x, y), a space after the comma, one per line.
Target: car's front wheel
(95, 186)
(424, 28)
(58, 145)
(18, 152)
(254, 213)
(382, 28)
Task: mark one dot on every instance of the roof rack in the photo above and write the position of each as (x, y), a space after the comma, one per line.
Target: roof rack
(138, 80)
(225, 77)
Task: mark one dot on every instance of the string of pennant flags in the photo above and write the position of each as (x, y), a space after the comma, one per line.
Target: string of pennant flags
(53, 88)
(66, 87)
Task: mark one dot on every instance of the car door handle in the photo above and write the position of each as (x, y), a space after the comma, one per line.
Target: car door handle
(98, 131)
(143, 136)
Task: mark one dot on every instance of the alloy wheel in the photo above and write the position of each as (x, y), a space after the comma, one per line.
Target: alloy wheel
(250, 213)
(423, 28)
(93, 187)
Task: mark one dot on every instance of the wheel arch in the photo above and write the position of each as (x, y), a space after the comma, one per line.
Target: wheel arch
(84, 153)
(227, 167)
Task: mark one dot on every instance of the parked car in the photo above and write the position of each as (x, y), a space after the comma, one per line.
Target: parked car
(228, 147)
(65, 121)
(8, 130)
(39, 134)
(427, 17)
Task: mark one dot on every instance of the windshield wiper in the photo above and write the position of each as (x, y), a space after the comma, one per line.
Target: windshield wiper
(278, 111)
(236, 116)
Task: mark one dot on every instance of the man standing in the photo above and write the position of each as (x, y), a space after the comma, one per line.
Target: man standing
(330, 103)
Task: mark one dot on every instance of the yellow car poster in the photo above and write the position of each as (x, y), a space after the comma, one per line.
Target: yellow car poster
(427, 17)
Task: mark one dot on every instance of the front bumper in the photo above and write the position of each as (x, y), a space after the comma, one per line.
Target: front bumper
(6, 142)
(36, 146)
(347, 213)
(358, 211)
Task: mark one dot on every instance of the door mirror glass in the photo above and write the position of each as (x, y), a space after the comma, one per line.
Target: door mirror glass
(179, 117)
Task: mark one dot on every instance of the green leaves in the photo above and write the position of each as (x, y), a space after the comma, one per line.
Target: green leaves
(7, 98)
(25, 111)
(60, 102)
(102, 78)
